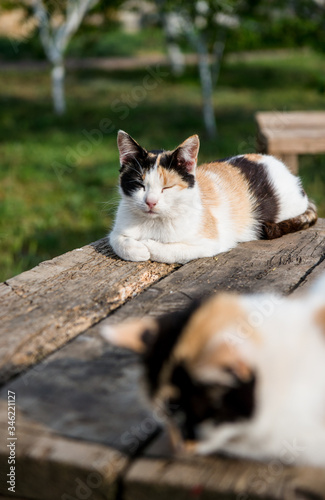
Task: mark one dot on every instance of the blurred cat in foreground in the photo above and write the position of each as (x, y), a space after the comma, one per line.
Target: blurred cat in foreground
(242, 375)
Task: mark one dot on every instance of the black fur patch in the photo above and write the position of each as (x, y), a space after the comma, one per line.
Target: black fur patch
(270, 230)
(157, 151)
(238, 402)
(198, 402)
(260, 186)
(148, 337)
(172, 161)
(133, 169)
(170, 327)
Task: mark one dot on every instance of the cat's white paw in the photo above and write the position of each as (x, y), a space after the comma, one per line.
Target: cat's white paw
(133, 250)
(139, 252)
(158, 251)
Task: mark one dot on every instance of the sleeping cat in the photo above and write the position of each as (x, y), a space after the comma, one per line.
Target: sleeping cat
(245, 375)
(171, 211)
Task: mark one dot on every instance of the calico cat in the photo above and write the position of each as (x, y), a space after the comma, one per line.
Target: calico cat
(245, 375)
(172, 211)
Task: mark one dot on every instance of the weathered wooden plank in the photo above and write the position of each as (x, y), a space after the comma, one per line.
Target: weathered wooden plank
(214, 478)
(92, 390)
(52, 467)
(310, 278)
(280, 265)
(45, 307)
(88, 390)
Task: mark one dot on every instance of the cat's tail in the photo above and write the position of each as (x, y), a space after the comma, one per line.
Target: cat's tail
(272, 230)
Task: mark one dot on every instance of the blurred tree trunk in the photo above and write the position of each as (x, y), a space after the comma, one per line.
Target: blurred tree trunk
(55, 40)
(176, 57)
(207, 88)
(58, 75)
(218, 51)
(172, 31)
(198, 42)
(178, 22)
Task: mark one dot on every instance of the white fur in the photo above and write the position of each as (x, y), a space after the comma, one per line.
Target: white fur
(289, 420)
(288, 189)
(318, 288)
(110, 334)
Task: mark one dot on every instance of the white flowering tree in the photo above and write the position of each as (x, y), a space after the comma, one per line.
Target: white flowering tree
(58, 21)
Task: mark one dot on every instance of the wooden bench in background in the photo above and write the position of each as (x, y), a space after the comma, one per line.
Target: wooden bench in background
(289, 134)
(84, 427)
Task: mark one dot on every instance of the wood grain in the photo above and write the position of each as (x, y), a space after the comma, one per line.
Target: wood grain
(91, 391)
(220, 479)
(45, 307)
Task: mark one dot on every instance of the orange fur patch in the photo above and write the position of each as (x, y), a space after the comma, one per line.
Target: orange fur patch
(254, 157)
(129, 333)
(226, 357)
(230, 181)
(171, 178)
(213, 318)
(209, 197)
(320, 318)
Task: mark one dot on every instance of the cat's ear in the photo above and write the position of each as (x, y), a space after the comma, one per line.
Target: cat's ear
(128, 148)
(136, 334)
(186, 154)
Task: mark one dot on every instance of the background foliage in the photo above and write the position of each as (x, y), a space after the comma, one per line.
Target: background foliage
(49, 205)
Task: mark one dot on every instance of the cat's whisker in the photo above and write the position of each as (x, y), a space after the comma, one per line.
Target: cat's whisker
(113, 199)
(140, 166)
(109, 207)
(171, 160)
(136, 171)
(135, 181)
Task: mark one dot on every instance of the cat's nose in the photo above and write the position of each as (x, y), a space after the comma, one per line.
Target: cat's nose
(151, 203)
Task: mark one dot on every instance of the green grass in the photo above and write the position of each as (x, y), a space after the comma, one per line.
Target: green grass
(50, 203)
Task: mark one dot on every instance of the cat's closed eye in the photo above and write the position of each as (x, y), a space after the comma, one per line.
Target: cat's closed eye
(168, 187)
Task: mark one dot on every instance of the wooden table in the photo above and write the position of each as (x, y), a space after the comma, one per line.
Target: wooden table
(288, 134)
(84, 427)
